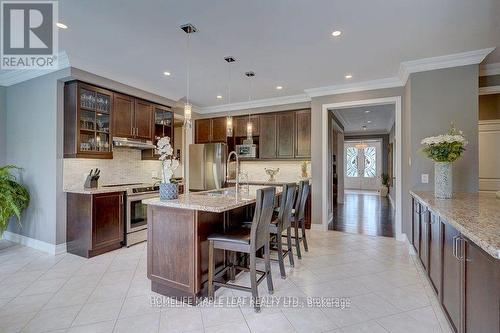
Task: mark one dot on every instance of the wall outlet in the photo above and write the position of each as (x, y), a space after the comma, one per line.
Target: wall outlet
(425, 178)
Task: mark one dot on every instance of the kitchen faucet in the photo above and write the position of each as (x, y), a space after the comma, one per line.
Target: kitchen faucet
(237, 168)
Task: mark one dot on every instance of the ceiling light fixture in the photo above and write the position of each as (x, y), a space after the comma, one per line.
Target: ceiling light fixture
(369, 122)
(336, 33)
(229, 119)
(249, 74)
(361, 145)
(364, 128)
(367, 111)
(61, 25)
(219, 96)
(188, 29)
(279, 87)
(348, 76)
(166, 73)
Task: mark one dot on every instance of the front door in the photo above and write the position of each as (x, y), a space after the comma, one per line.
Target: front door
(362, 165)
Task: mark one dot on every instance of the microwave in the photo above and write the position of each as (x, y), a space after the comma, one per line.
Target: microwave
(246, 151)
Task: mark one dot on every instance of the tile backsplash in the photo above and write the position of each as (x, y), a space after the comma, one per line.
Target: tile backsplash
(289, 170)
(125, 167)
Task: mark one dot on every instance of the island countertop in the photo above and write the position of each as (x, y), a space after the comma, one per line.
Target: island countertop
(475, 215)
(269, 183)
(216, 201)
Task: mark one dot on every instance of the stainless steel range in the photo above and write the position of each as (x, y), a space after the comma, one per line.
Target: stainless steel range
(136, 215)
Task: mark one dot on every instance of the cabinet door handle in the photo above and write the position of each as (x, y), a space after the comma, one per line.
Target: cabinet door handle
(457, 241)
(464, 254)
(454, 247)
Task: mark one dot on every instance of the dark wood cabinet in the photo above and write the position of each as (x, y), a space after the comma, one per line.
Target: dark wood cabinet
(451, 270)
(465, 278)
(203, 130)
(88, 115)
(240, 125)
(267, 137)
(219, 130)
(95, 223)
(123, 121)
(434, 252)
(143, 120)
(303, 134)
(285, 124)
(482, 290)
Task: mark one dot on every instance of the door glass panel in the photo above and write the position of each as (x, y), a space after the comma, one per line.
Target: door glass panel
(87, 99)
(103, 103)
(370, 162)
(138, 214)
(352, 161)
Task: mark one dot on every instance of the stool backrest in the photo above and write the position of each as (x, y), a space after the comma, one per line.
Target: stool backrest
(264, 207)
(286, 206)
(300, 206)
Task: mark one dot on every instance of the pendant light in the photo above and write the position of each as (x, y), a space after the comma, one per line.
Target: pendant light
(229, 119)
(188, 29)
(250, 75)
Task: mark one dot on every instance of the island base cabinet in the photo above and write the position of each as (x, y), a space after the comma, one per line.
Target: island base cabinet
(94, 223)
(451, 270)
(482, 290)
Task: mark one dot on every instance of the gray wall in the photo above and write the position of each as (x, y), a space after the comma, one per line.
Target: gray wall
(32, 143)
(316, 139)
(438, 98)
(3, 115)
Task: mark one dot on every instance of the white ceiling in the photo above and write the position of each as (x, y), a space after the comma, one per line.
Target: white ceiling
(376, 118)
(286, 42)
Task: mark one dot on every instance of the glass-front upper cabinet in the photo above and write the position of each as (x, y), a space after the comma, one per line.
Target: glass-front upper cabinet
(164, 126)
(87, 128)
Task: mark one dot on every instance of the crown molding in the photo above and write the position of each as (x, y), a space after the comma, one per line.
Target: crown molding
(489, 69)
(10, 77)
(354, 87)
(446, 61)
(256, 104)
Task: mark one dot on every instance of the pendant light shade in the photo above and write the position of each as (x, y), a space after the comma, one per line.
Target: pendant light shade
(188, 29)
(249, 129)
(229, 119)
(250, 75)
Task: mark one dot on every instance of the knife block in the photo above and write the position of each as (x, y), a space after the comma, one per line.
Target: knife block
(90, 182)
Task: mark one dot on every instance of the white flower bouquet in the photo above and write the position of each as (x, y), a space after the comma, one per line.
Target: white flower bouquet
(446, 147)
(169, 161)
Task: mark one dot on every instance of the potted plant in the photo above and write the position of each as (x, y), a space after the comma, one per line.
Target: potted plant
(14, 197)
(384, 188)
(168, 189)
(444, 150)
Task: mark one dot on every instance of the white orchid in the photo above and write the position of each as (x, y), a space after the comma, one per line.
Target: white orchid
(169, 161)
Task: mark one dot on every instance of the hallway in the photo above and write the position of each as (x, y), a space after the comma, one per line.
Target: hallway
(365, 213)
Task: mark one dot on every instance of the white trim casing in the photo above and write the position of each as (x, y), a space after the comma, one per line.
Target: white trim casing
(35, 243)
(396, 100)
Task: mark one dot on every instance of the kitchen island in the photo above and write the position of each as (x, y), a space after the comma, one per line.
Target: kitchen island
(177, 237)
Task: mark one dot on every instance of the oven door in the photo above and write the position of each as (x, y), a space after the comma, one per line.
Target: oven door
(137, 212)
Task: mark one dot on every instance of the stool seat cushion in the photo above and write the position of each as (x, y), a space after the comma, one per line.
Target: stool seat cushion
(237, 236)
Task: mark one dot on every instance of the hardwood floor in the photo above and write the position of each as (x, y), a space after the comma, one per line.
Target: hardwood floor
(364, 213)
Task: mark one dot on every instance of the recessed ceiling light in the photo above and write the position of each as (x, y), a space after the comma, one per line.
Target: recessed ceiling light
(369, 122)
(279, 87)
(367, 111)
(364, 128)
(336, 33)
(166, 73)
(61, 25)
(348, 76)
(219, 97)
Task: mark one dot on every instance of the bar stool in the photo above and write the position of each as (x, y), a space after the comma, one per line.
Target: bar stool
(249, 241)
(298, 216)
(282, 223)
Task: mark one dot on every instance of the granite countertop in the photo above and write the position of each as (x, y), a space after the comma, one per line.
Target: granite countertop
(100, 189)
(475, 215)
(268, 183)
(211, 201)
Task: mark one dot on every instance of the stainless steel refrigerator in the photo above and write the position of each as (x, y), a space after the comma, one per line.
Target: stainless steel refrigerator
(207, 166)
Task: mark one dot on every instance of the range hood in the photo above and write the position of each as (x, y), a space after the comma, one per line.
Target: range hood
(132, 143)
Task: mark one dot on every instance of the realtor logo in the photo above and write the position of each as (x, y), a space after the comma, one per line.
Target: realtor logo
(29, 35)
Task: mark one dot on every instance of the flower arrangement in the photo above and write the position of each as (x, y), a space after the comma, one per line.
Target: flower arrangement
(169, 161)
(445, 148)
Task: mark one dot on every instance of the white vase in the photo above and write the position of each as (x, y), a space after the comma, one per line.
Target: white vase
(443, 180)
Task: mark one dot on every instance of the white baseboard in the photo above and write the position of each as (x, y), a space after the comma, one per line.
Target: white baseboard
(319, 227)
(35, 243)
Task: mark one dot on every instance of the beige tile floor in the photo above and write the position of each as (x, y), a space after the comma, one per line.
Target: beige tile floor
(111, 293)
